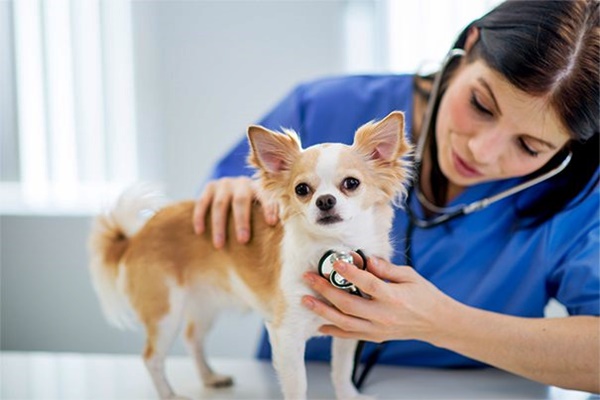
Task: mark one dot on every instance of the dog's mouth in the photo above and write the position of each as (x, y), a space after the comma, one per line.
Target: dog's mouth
(329, 219)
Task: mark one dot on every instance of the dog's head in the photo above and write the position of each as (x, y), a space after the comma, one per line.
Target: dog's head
(331, 186)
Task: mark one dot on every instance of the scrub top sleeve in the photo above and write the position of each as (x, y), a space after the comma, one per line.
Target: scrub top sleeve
(576, 281)
(286, 114)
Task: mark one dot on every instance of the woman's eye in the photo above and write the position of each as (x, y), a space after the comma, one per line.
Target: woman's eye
(478, 106)
(302, 189)
(350, 183)
(525, 147)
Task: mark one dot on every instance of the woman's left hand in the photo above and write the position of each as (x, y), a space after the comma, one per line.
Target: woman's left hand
(400, 304)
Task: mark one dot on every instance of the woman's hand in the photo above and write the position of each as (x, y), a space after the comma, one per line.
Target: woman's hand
(400, 303)
(221, 195)
(403, 305)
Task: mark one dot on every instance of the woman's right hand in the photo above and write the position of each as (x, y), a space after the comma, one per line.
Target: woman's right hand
(219, 196)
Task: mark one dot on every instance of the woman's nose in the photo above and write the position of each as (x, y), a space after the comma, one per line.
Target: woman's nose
(486, 147)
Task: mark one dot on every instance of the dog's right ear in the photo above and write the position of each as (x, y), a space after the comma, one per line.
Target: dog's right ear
(271, 151)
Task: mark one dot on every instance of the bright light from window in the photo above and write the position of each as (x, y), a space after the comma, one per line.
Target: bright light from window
(31, 104)
(422, 32)
(90, 107)
(360, 37)
(405, 36)
(76, 106)
(61, 118)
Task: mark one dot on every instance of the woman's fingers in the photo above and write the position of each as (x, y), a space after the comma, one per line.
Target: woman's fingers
(343, 301)
(387, 271)
(218, 215)
(201, 207)
(271, 212)
(241, 207)
(363, 279)
(221, 197)
(336, 316)
(374, 280)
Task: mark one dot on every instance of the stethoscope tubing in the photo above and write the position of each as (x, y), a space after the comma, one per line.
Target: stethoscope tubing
(483, 203)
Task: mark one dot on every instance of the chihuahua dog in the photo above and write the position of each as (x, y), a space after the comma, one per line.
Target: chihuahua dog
(331, 197)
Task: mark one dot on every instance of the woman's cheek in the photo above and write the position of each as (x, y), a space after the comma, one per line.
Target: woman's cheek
(459, 116)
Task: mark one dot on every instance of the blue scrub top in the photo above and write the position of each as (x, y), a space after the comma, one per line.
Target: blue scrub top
(480, 259)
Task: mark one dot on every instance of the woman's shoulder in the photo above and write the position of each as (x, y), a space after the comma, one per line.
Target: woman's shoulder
(584, 207)
(357, 85)
(578, 223)
(343, 103)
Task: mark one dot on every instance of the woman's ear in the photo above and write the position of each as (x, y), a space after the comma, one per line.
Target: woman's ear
(472, 38)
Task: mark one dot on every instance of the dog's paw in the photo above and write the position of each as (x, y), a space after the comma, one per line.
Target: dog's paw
(218, 381)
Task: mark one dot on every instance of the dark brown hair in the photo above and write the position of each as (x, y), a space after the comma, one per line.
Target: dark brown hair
(552, 49)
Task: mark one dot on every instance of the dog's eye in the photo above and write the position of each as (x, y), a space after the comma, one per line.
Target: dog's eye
(350, 183)
(302, 189)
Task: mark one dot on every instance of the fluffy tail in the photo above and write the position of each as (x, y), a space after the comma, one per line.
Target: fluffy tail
(109, 239)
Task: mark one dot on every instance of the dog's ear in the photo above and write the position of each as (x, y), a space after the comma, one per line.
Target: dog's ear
(271, 151)
(383, 140)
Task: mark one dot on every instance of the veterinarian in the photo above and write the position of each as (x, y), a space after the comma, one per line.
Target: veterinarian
(503, 212)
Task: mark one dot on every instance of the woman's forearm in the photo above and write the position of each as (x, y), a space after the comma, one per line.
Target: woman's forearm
(561, 352)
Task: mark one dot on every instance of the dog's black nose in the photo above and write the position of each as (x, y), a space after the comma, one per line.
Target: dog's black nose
(326, 202)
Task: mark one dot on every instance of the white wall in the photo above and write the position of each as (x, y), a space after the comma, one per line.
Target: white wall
(204, 71)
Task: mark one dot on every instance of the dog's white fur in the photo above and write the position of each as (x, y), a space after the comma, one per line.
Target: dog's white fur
(162, 273)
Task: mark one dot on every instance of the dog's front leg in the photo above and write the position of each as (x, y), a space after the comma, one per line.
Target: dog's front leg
(342, 363)
(288, 344)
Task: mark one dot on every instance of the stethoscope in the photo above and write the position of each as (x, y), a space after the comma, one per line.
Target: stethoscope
(326, 270)
(449, 213)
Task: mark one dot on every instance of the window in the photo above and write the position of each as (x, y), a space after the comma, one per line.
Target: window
(405, 36)
(70, 138)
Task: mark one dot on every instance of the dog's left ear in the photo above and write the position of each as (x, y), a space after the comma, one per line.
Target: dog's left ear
(271, 151)
(383, 140)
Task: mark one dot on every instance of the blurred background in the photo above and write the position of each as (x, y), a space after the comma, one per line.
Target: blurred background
(95, 95)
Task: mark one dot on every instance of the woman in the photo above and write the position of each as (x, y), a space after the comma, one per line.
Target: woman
(513, 120)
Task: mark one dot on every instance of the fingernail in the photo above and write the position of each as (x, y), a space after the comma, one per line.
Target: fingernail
(243, 235)
(308, 302)
(218, 241)
(309, 278)
(341, 266)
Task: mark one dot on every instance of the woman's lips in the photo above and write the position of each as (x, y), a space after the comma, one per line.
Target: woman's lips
(463, 168)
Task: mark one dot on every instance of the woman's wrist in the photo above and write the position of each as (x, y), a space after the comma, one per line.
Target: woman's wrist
(448, 324)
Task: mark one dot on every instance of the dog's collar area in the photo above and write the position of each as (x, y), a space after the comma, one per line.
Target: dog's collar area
(337, 280)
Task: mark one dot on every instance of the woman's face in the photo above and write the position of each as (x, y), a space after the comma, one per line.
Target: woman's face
(488, 130)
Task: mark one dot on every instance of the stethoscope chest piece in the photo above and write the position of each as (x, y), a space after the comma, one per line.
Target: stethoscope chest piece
(326, 268)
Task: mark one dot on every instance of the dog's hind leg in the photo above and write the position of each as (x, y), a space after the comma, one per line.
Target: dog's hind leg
(161, 335)
(198, 326)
